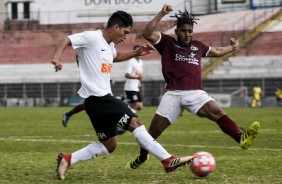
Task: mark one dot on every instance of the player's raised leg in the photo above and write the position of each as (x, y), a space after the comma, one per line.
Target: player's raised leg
(66, 115)
(64, 160)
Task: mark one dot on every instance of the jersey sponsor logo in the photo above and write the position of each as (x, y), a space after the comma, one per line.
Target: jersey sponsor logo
(192, 55)
(123, 121)
(101, 135)
(138, 74)
(190, 58)
(106, 68)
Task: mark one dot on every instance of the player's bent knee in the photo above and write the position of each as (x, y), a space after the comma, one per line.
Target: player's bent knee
(110, 144)
(111, 148)
(134, 123)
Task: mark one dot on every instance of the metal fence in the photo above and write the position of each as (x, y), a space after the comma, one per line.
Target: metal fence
(64, 94)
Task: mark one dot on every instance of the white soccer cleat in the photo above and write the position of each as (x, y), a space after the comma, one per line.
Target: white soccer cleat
(173, 162)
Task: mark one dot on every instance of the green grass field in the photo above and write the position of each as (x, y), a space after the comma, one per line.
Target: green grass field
(30, 139)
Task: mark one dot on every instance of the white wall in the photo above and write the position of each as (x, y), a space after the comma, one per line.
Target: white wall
(88, 11)
(78, 11)
(2, 11)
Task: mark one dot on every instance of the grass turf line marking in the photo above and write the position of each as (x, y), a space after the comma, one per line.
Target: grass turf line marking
(134, 143)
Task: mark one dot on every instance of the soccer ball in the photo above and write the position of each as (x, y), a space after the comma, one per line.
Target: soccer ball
(203, 164)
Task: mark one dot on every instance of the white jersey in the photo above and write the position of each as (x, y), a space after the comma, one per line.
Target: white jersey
(134, 68)
(95, 60)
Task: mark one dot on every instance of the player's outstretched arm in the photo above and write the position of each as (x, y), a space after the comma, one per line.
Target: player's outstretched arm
(220, 51)
(59, 49)
(150, 32)
(141, 51)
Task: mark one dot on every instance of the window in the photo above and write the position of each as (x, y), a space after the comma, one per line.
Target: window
(233, 1)
(26, 10)
(14, 10)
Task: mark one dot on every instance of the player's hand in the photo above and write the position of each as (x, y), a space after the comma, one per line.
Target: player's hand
(145, 49)
(57, 65)
(140, 78)
(112, 82)
(167, 9)
(234, 43)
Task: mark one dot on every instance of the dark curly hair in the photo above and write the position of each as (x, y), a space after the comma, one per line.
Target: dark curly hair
(184, 18)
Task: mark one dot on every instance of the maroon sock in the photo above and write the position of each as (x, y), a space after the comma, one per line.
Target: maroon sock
(229, 127)
(76, 109)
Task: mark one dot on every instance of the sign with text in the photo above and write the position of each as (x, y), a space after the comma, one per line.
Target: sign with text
(79, 11)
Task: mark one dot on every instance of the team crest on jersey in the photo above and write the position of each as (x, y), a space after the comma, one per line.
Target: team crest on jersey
(193, 48)
(192, 55)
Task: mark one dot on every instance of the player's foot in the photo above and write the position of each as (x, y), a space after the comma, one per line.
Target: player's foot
(173, 162)
(63, 163)
(65, 119)
(137, 162)
(248, 135)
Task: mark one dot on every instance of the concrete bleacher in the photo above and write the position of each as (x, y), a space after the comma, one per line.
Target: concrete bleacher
(25, 58)
(268, 43)
(35, 43)
(44, 73)
(232, 21)
(31, 54)
(249, 67)
(37, 73)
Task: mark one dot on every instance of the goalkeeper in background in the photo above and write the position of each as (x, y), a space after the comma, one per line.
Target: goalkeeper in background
(256, 101)
(278, 94)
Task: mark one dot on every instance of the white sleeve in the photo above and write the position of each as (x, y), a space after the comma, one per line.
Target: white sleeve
(129, 67)
(79, 40)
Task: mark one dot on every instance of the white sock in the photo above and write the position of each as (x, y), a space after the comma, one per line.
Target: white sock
(89, 152)
(146, 141)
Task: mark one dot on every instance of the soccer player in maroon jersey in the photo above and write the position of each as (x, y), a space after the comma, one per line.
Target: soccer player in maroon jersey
(181, 68)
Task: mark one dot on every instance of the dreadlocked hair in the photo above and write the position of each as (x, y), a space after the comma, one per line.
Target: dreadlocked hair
(184, 18)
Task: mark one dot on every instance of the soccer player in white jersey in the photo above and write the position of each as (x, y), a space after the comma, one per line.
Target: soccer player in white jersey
(133, 81)
(96, 54)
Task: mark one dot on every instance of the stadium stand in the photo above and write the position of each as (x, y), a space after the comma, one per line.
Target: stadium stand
(249, 67)
(25, 52)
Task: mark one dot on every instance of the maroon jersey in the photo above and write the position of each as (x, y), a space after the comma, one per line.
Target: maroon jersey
(181, 65)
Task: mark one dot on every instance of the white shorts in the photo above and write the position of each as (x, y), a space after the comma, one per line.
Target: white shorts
(174, 102)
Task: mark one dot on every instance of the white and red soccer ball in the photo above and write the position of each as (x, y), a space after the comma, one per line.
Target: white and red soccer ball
(203, 164)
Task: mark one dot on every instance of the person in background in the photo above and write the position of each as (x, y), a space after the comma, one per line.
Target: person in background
(278, 94)
(181, 68)
(133, 82)
(256, 101)
(96, 54)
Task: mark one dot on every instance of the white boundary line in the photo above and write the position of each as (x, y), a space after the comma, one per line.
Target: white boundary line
(47, 139)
